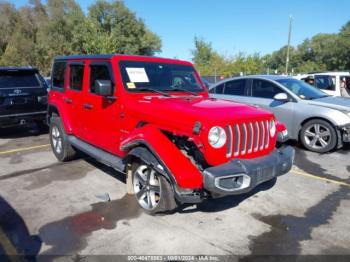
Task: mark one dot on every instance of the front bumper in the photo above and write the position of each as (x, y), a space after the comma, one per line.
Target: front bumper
(345, 133)
(241, 176)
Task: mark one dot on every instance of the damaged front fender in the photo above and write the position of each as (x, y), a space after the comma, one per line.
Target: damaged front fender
(180, 169)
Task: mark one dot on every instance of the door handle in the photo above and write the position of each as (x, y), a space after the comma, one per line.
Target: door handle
(88, 106)
(68, 100)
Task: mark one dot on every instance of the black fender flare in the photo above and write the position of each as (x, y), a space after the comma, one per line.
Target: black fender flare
(150, 159)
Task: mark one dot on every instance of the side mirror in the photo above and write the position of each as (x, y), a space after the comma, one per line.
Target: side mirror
(281, 97)
(103, 88)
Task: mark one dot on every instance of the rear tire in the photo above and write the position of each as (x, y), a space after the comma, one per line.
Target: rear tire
(59, 141)
(152, 190)
(318, 136)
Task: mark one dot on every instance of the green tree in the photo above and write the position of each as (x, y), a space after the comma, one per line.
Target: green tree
(34, 34)
(112, 28)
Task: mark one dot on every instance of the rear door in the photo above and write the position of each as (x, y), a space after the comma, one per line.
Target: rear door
(73, 95)
(234, 90)
(22, 92)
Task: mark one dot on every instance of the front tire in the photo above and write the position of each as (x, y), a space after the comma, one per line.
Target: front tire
(59, 141)
(152, 190)
(318, 136)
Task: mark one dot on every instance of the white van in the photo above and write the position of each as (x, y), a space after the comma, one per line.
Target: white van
(329, 82)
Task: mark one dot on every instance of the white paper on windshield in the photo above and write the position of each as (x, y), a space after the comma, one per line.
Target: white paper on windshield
(137, 75)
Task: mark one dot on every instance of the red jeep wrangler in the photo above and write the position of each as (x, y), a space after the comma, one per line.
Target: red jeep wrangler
(152, 119)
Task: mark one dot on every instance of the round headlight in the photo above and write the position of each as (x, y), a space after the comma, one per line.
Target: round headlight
(217, 137)
(272, 128)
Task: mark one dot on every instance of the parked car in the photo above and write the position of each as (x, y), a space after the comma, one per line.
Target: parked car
(328, 82)
(320, 122)
(23, 97)
(152, 118)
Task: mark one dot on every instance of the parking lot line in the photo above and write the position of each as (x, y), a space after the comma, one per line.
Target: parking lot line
(302, 173)
(7, 245)
(23, 149)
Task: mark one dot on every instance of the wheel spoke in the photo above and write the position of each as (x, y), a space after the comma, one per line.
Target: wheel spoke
(149, 200)
(309, 133)
(323, 143)
(155, 189)
(317, 128)
(141, 194)
(148, 175)
(313, 142)
(325, 133)
(141, 180)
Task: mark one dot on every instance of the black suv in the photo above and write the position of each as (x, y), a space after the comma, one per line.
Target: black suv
(23, 97)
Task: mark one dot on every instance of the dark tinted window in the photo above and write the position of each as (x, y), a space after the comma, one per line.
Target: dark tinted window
(236, 87)
(325, 82)
(14, 79)
(264, 89)
(160, 76)
(98, 72)
(76, 76)
(58, 75)
(217, 90)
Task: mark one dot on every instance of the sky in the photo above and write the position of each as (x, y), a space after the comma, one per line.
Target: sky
(234, 26)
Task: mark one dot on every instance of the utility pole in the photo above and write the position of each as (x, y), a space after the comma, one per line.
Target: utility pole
(288, 45)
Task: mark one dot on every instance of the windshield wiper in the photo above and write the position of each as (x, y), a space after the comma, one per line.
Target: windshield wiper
(182, 89)
(153, 90)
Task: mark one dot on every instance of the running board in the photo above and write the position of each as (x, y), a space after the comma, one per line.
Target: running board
(100, 155)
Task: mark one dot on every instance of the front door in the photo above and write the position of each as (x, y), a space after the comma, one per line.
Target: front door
(263, 93)
(101, 125)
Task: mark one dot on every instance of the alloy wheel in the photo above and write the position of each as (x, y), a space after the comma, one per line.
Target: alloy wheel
(318, 136)
(147, 187)
(56, 139)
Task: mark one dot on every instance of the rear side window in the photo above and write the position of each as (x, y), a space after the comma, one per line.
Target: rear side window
(264, 89)
(217, 90)
(58, 75)
(15, 79)
(76, 76)
(98, 72)
(236, 87)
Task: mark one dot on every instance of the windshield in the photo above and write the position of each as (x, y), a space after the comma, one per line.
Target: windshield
(16, 79)
(143, 76)
(302, 89)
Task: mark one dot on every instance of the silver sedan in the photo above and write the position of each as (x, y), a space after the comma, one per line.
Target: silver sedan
(320, 122)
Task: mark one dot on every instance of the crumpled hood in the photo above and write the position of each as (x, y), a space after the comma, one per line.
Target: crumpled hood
(191, 109)
(338, 103)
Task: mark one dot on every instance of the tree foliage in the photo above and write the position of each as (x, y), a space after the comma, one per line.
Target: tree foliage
(34, 34)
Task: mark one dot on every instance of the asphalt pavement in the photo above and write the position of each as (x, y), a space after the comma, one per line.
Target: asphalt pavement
(52, 208)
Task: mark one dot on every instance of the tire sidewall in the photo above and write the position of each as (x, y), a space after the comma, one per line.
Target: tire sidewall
(334, 136)
(167, 200)
(56, 122)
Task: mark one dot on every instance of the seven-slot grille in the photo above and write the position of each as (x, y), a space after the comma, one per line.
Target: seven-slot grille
(248, 137)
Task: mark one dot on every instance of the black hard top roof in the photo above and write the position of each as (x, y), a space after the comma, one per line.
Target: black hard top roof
(83, 57)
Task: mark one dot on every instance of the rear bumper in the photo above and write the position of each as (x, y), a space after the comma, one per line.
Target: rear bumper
(242, 176)
(22, 118)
